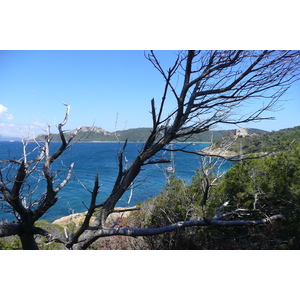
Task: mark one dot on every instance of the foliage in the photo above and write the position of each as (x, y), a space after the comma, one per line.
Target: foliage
(139, 135)
(14, 243)
(261, 142)
(10, 243)
(178, 201)
(55, 229)
(265, 186)
(255, 188)
(269, 185)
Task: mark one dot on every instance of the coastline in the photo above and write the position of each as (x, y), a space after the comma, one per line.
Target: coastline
(78, 218)
(122, 141)
(218, 152)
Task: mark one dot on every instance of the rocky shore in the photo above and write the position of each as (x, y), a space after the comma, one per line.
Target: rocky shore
(78, 218)
(218, 152)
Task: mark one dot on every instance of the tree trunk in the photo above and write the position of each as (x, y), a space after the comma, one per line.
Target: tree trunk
(28, 241)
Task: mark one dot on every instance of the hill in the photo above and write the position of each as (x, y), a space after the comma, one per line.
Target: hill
(264, 142)
(98, 134)
(10, 138)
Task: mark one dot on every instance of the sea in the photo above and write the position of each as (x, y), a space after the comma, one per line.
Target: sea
(102, 158)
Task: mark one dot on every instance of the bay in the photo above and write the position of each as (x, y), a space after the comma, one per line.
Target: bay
(101, 158)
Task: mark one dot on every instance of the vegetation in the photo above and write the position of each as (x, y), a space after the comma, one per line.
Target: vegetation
(14, 242)
(97, 134)
(252, 189)
(263, 142)
(207, 88)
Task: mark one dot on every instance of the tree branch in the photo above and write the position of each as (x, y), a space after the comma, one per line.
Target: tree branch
(10, 229)
(88, 216)
(134, 232)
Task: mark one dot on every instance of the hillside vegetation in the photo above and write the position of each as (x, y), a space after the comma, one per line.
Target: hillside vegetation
(98, 134)
(253, 189)
(263, 142)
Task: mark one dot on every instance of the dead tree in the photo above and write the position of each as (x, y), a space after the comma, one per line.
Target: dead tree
(214, 84)
(26, 206)
(207, 88)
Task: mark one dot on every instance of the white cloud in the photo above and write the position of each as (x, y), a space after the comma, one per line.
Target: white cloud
(9, 116)
(3, 109)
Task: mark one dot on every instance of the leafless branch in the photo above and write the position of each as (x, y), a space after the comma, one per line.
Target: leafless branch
(154, 231)
(88, 215)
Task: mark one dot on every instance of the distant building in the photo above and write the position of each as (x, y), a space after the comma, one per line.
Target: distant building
(241, 132)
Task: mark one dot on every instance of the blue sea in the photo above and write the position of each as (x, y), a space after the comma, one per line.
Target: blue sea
(90, 158)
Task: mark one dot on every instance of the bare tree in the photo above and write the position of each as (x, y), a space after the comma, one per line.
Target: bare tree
(207, 88)
(26, 206)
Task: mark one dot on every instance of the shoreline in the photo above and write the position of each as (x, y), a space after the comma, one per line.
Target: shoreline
(209, 151)
(117, 142)
(77, 218)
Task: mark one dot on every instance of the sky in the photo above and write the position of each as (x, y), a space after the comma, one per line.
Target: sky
(110, 89)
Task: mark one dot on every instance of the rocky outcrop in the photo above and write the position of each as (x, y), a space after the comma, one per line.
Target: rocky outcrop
(96, 129)
(218, 152)
(78, 218)
(75, 218)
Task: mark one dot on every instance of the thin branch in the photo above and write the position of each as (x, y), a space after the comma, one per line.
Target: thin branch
(66, 180)
(88, 215)
(50, 238)
(125, 209)
(10, 229)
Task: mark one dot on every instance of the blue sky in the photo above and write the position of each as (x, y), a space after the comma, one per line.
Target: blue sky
(111, 89)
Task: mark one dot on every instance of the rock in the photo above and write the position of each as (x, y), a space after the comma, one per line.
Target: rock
(79, 217)
(76, 218)
(219, 152)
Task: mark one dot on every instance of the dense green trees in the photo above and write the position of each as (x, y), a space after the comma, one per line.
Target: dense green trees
(254, 188)
(270, 183)
(260, 142)
(268, 186)
(178, 201)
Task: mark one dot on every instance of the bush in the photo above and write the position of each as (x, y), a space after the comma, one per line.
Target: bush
(266, 186)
